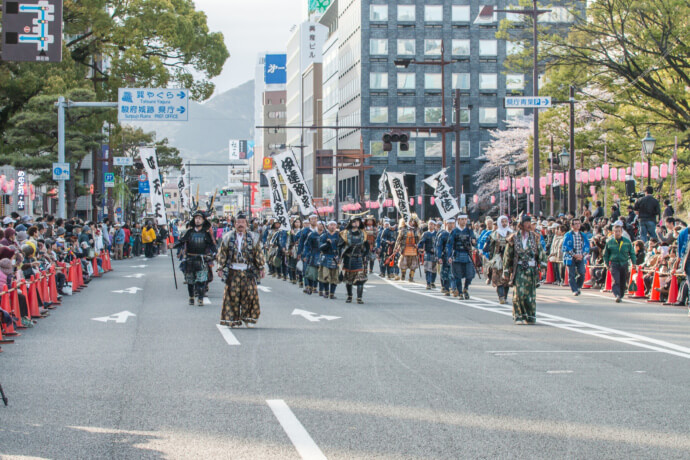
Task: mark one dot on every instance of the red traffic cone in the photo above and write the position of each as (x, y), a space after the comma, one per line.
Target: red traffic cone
(672, 291)
(588, 278)
(630, 281)
(31, 298)
(53, 287)
(566, 278)
(609, 281)
(639, 294)
(95, 268)
(550, 278)
(655, 295)
(5, 305)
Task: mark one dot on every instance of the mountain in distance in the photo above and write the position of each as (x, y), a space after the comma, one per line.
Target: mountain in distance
(204, 138)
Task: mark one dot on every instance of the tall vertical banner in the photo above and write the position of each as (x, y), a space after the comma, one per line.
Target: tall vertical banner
(287, 165)
(187, 190)
(148, 157)
(445, 202)
(277, 200)
(396, 181)
(383, 191)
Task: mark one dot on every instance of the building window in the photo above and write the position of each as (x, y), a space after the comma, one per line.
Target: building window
(432, 81)
(464, 149)
(432, 114)
(488, 47)
(378, 114)
(488, 81)
(409, 153)
(406, 47)
(483, 147)
(406, 12)
(406, 114)
(464, 115)
(515, 81)
(432, 46)
(432, 149)
(460, 13)
(513, 48)
(406, 81)
(461, 47)
(378, 46)
(376, 149)
(378, 13)
(488, 115)
(514, 114)
(461, 81)
(378, 80)
(433, 13)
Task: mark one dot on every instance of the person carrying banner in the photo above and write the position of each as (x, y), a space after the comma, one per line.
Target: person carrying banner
(521, 263)
(459, 248)
(244, 260)
(328, 261)
(354, 251)
(447, 279)
(426, 246)
(196, 247)
(406, 246)
(495, 248)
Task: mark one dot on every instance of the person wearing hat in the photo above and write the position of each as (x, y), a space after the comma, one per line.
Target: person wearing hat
(302, 250)
(276, 240)
(292, 245)
(197, 245)
(406, 246)
(498, 241)
(119, 241)
(328, 261)
(311, 258)
(522, 260)
(243, 258)
(386, 246)
(447, 279)
(371, 229)
(618, 255)
(148, 237)
(459, 249)
(426, 246)
(354, 251)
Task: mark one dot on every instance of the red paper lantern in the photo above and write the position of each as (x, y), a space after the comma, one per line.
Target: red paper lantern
(638, 169)
(549, 179)
(671, 166)
(614, 174)
(419, 199)
(584, 177)
(605, 171)
(663, 171)
(433, 201)
(411, 201)
(475, 199)
(493, 199)
(645, 170)
(655, 172)
(592, 190)
(597, 173)
(622, 174)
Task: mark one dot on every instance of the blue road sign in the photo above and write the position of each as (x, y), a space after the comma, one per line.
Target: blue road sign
(152, 104)
(520, 102)
(144, 187)
(61, 171)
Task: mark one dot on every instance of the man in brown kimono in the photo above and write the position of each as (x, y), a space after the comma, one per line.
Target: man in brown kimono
(243, 258)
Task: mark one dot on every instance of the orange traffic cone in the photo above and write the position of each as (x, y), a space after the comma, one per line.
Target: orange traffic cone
(14, 300)
(31, 299)
(95, 268)
(6, 305)
(609, 281)
(53, 287)
(630, 282)
(639, 294)
(566, 278)
(588, 278)
(655, 295)
(550, 278)
(672, 291)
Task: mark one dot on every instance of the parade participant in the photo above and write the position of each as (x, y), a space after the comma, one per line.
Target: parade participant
(311, 258)
(148, 238)
(328, 261)
(272, 246)
(371, 230)
(387, 246)
(575, 249)
(354, 250)
(196, 245)
(496, 248)
(243, 259)
(426, 245)
(618, 254)
(406, 246)
(459, 247)
(523, 257)
(302, 238)
(291, 246)
(447, 280)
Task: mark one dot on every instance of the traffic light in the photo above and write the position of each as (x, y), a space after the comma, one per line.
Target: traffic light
(396, 136)
(387, 142)
(404, 142)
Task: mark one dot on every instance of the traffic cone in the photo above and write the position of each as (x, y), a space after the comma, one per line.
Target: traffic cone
(566, 278)
(655, 295)
(14, 300)
(31, 299)
(110, 267)
(95, 268)
(672, 291)
(550, 278)
(609, 281)
(72, 277)
(6, 305)
(639, 294)
(630, 282)
(588, 278)
(53, 287)
(80, 275)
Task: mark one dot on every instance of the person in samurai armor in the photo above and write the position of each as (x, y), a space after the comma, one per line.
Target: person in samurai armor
(243, 258)
(291, 247)
(460, 247)
(426, 245)
(406, 246)
(386, 247)
(328, 261)
(371, 230)
(301, 239)
(521, 263)
(311, 258)
(277, 238)
(354, 250)
(447, 279)
(270, 245)
(495, 248)
(197, 245)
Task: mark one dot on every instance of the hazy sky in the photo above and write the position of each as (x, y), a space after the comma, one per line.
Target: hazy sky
(250, 27)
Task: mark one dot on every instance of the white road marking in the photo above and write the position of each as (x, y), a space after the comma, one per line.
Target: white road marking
(312, 317)
(264, 288)
(305, 445)
(565, 323)
(227, 335)
(559, 372)
(513, 352)
(135, 275)
(207, 301)
(130, 290)
(138, 266)
(117, 317)
(640, 372)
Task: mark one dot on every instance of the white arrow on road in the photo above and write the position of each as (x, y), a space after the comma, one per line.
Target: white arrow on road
(135, 275)
(138, 266)
(117, 317)
(264, 288)
(131, 290)
(313, 317)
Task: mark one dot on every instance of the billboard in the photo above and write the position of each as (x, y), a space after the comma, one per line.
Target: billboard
(240, 149)
(313, 37)
(319, 6)
(275, 69)
(32, 30)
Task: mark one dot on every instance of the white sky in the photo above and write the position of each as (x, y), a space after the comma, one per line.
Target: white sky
(250, 27)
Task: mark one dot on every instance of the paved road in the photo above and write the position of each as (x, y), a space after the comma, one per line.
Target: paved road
(409, 374)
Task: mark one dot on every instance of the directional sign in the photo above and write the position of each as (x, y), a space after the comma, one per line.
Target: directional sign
(60, 171)
(312, 317)
(117, 317)
(132, 290)
(520, 102)
(152, 104)
(144, 187)
(109, 179)
(123, 161)
(32, 30)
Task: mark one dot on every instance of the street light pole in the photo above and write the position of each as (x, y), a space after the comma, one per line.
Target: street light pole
(572, 201)
(535, 93)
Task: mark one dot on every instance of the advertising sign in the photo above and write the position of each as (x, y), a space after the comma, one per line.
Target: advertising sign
(275, 69)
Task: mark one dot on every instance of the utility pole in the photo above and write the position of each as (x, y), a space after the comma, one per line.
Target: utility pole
(457, 144)
(535, 92)
(572, 200)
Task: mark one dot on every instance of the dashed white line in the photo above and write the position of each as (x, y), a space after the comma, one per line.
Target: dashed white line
(305, 445)
(228, 335)
(559, 372)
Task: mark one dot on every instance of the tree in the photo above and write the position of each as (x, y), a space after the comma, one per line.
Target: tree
(509, 144)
